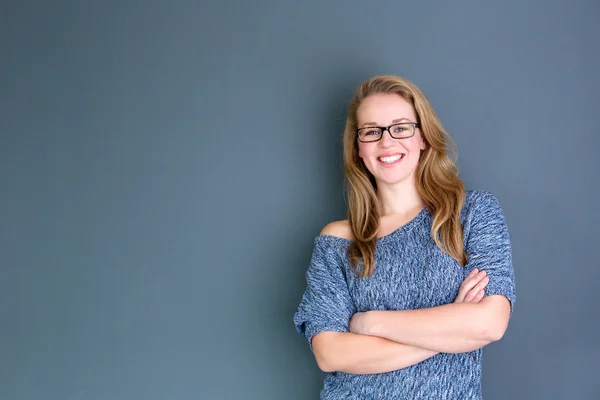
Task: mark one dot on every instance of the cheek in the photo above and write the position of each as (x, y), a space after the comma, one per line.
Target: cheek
(361, 151)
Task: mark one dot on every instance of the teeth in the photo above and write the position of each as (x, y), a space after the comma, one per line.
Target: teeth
(391, 159)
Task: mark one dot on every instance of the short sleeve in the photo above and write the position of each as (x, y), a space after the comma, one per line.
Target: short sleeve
(488, 245)
(326, 304)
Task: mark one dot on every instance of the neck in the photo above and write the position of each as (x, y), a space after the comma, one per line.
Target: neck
(400, 198)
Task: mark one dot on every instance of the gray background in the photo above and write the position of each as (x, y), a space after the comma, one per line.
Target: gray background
(165, 166)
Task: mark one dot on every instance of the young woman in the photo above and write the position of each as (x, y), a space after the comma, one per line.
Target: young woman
(402, 296)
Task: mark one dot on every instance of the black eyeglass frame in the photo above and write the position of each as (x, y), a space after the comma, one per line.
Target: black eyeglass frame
(387, 128)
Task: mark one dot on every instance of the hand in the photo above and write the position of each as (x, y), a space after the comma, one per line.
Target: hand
(359, 323)
(472, 288)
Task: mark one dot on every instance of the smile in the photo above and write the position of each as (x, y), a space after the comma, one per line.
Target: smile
(390, 159)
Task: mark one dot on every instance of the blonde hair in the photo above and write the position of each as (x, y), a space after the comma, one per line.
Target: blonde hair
(436, 178)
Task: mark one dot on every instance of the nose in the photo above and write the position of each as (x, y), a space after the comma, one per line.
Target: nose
(386, 139)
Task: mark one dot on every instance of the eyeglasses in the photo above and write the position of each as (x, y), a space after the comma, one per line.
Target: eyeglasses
(403, 130)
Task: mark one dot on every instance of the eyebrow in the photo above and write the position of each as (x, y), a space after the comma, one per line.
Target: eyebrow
(393, 122)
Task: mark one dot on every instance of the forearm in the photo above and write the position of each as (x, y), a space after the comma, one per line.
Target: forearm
(451, 328)
(362, 354)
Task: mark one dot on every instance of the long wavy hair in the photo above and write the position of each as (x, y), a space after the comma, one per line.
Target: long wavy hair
(436, 178)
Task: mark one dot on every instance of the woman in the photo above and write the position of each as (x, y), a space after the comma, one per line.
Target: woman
(402, 295)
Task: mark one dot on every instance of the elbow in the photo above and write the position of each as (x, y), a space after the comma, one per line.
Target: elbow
(322, 348)
(482, 335)
(490, 336)
(323, 363)
(494, 330)
(496, 315)
(496, 333)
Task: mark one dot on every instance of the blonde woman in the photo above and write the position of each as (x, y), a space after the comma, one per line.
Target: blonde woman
(403, 295)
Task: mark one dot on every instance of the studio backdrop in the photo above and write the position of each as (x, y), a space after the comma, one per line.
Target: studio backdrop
(166, 165)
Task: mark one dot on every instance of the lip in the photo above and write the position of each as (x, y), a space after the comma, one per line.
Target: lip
(390, 154)
(388, 165)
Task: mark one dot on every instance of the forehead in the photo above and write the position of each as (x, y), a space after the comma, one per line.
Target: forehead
(383, 108)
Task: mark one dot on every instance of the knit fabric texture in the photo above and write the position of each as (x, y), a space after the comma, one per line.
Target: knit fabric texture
(411, 272)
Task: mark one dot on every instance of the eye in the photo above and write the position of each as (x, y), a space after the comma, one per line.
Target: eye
(370, 132)
(398, 129)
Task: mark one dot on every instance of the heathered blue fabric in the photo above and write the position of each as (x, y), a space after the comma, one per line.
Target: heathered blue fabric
(411, 272)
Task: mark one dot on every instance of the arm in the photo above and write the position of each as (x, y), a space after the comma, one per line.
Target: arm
(368, 354)
(459, 327)
(451, 328)
(323, 316)
(361, 354)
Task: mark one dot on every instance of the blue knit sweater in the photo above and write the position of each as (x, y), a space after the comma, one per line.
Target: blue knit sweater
(411, 272)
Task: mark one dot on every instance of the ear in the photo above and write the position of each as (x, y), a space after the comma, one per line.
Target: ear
(423, 144)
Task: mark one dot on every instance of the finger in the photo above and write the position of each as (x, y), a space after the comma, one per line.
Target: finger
(470, 283)
(481, 284)
(470, 296)
(473, 272)
(479, 296)
(476, 289)
(459, 297)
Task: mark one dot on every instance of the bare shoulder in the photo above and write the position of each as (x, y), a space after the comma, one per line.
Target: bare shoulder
(339, 229)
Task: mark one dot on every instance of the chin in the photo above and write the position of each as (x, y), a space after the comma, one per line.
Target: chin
(393, 181)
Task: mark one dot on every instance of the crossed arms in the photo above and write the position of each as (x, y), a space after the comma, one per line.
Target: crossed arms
(383, 341)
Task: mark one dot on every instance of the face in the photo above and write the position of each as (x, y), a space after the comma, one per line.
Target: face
(390, 160)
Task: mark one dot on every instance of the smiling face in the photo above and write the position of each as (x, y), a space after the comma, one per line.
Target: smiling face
(390, 160)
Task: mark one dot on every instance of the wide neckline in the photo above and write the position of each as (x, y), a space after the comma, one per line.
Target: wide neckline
(383, 239)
